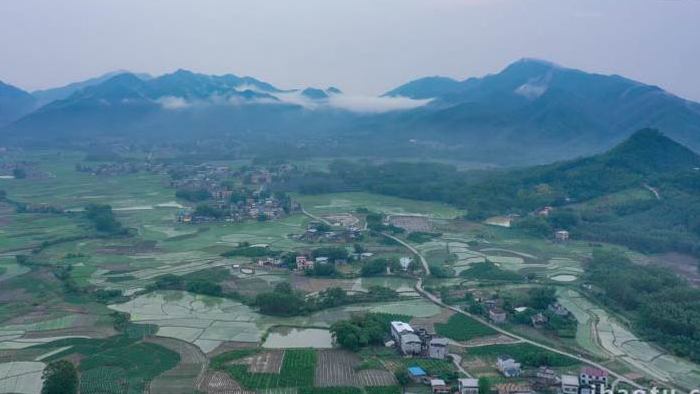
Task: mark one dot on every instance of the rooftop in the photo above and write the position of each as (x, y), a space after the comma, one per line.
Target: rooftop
(590, 371)
(400, 326)
(569, 380)
(416, 371)
(466, 382)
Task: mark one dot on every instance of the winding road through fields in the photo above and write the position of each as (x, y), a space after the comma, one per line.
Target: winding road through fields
(431, 297)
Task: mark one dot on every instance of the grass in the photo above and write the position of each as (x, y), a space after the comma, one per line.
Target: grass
(297, 370)
(463, 328)
(525, 353)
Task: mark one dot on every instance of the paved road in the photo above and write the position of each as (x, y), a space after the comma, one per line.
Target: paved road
(434, 299)
(314, 217)
(422, 259)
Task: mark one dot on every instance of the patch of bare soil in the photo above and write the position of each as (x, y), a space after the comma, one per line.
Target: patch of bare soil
(140, 246)
(187, 375)
(428, 323)
(266, 362)
(682, 264)
(14, 295)
(6, 210)
(499, 339)
(229, 346)
(411, 223)
(337, 368)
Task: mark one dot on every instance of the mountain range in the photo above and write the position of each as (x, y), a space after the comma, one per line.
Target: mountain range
(532, 111)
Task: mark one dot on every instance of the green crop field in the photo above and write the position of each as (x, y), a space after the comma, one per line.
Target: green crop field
(129, 363)
(297, 370)
(384, 390)
(463, 328)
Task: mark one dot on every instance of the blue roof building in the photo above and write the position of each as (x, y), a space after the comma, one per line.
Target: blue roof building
(417, 372)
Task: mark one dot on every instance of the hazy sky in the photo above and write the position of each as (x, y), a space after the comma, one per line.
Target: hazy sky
(361, 46)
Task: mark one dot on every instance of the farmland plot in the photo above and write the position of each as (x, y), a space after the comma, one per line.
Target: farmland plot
(21, 377)
(209, 321)
(185, 377)
(597, 327)
(112, 380)
(337, 368)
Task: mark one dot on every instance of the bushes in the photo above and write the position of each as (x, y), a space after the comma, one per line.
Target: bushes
(489, 271)
(374, 267)
(250, 251)
(363, 330)
(103, 219)
(421, 237)
(60, 377)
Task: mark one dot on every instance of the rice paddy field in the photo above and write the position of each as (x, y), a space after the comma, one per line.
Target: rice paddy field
(599, 330)
(348, 202)
(39, 322)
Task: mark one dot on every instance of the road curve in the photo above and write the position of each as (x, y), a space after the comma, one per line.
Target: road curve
(434, 299)
(314, 217)
(422, 259)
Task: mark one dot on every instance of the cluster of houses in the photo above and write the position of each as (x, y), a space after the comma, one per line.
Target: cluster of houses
(419, 342)
(589, 381)
(499, 316)
(256, 207)
(315, 233)
(119, 168)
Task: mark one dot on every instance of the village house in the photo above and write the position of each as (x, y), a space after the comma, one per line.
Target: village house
(438, 386)
(569, 384)
(409, 343)
(468, 386)
(438, 348)
(269, 261)
(405, 262)
(303, 263)
(538, 320)
(497, 315)
(508, 366)
(546, 376)
(593, 379)
(558, 309)
(561, 235)
(417, 374)
(490, 304)
(544, 211)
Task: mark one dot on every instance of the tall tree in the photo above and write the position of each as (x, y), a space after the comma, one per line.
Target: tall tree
(60, 377)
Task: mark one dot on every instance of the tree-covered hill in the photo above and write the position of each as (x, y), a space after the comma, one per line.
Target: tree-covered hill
(648, 161)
